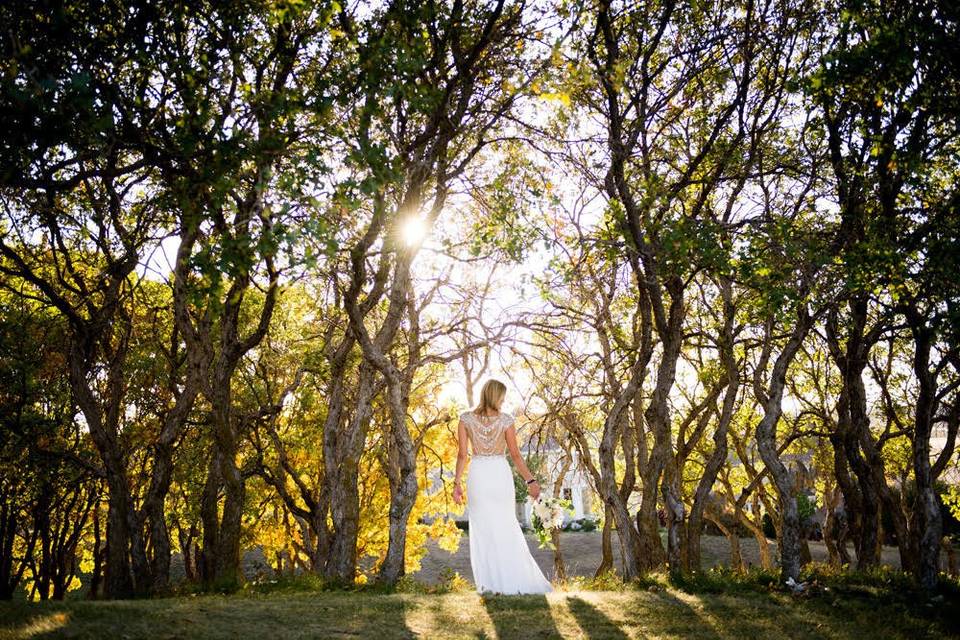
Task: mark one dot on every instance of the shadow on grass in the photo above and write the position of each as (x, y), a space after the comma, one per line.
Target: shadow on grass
(521, 616)
(320, 615)
(594, 623)
(836, 601)
(676, 617)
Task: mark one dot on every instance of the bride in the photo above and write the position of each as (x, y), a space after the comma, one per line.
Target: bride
(499, 555)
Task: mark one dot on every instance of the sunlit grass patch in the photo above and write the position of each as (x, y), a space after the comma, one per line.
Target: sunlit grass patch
(42, 625)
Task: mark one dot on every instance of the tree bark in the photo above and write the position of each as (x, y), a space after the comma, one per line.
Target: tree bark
(771, 399)
(342, 450)
(606, 548)
(929, 520)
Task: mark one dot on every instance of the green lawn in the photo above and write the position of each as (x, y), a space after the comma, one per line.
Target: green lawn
(661, 613)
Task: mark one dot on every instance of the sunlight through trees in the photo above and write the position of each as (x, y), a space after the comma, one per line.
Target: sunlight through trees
(256, 257)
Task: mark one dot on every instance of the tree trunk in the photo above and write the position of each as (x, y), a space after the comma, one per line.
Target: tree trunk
(756, 528)
(209, 517)
(559, 567)
(404, 495)
(228, 570)
(606, 548)
(118, 580)
(630, 541)
(831, 500)
(951, 553)
(789, 542)
(153, 509)
(96, 578)
(613, 495)
(102, 423)
(868, 515)
(222, 524)
(852, 498)
(657, 416)
(928, 515)
(342, 449)
(675, 511)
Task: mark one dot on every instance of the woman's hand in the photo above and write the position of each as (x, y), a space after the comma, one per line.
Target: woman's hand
(457, 493)
(534, 489)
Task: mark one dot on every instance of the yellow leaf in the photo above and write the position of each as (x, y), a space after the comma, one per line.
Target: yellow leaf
(561, 97)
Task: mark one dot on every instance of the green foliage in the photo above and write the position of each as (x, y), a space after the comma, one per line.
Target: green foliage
(586, 525)
(503, 225)
(611, 581)
(951, 498)
(806, 506)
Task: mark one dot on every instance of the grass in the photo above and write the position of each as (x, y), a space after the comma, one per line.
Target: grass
(711, 606)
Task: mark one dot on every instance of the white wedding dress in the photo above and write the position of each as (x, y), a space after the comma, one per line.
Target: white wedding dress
(499, 555)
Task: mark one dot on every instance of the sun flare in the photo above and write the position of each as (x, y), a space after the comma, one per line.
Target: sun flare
(414, 230)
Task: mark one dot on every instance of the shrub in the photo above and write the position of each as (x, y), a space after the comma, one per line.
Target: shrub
(612, 581)
(588, 523)
(452, 582)
(288, 584)
(406, 584)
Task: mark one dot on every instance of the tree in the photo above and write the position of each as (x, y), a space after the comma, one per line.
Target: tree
(239, 78)
(887, 91)
(79, 216)
(683, 128)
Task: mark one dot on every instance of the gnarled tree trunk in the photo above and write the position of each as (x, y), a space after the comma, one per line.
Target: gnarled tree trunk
(771, 398)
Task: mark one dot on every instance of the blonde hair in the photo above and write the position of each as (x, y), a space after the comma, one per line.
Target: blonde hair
(491, 396)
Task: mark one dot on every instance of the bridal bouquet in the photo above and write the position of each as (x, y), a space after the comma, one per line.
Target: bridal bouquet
(548, 515)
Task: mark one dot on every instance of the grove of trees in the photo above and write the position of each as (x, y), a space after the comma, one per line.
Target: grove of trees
(255, 257)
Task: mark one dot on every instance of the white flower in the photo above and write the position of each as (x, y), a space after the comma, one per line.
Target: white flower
(542, 510)
(556, 516)
(550, 512)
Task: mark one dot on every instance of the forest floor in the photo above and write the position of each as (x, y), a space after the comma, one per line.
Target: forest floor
(654, 612)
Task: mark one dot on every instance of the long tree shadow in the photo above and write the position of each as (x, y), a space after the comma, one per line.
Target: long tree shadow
(521, 616)
(663, 613)
(688, 620)
(594, 623)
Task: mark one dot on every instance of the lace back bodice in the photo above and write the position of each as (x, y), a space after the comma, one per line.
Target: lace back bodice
(487, 433)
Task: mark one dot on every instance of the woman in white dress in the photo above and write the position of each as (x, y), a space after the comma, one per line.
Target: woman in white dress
(499, 555)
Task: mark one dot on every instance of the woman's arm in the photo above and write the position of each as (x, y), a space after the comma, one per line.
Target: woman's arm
(532, 487)
(461, 462)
